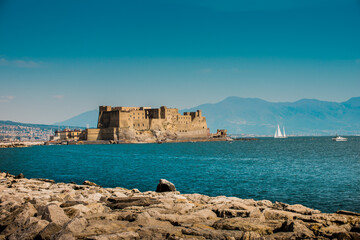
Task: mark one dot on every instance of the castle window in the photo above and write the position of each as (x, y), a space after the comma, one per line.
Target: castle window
(138, 125)
(143, 125)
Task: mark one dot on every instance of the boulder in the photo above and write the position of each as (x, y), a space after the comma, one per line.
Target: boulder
(20, 176)
(165, 186)
(10, 205)
(82, 210)
(231, 213)
(206, 232)
(55, 214)
(72, 203)
(273, 214)
(95, 197)
(135, 190)
(48, 231)
(119, 194)
(298, 228)
(356, 228)
(30, 231)
(244, 224)
(63, 235)
(296, 208)
(76, 225)
(17, 219)
(346, 236)
(88, 183)
(332, 230)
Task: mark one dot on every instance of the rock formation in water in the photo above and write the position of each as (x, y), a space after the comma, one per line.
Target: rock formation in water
(43, 209)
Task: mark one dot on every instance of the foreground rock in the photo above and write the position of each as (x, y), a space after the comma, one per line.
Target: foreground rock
(165, 186)
(42, 209)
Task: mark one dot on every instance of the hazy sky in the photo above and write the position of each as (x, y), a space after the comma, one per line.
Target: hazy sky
(61, 58)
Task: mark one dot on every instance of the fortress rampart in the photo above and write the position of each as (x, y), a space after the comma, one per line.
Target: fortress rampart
(147, 124)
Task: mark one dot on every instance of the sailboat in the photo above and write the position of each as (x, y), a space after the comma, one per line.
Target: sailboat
(278, 133)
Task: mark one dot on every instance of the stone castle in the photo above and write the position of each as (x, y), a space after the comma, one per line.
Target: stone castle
(147, 124)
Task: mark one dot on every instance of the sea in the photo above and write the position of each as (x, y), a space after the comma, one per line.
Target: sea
(312, 171)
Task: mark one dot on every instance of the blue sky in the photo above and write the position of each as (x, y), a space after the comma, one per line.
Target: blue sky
(61, 58)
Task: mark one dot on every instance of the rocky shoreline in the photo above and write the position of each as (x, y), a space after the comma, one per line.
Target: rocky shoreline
(19, 144)
(43, 209)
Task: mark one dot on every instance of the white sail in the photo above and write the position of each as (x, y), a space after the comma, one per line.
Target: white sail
(279, 131)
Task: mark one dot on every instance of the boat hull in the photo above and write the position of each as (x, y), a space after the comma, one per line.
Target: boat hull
(339, 139)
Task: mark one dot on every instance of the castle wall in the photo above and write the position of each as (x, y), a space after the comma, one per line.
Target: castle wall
(193, 134)
(152, 113)
(124, 120)
(92, 134)
(108, 133)
(108, 119)
(113, 120)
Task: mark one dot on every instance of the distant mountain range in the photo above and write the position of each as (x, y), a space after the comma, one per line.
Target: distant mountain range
(256, 116)
(89, 118)
(303, 117)
(30, 125)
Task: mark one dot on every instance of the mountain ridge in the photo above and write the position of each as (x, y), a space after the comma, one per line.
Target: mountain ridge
(302, 117)
(257, 116)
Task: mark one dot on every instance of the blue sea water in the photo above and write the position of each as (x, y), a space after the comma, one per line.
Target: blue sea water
(313, 171)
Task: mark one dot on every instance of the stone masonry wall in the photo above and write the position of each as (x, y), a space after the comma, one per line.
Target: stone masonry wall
(139, 121)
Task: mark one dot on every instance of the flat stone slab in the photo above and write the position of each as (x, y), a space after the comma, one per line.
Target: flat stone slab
(123, 202)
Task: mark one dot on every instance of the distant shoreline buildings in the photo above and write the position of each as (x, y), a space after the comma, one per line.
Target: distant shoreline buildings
(16, 132)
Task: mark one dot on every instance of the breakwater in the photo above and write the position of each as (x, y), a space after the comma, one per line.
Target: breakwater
(43, 209)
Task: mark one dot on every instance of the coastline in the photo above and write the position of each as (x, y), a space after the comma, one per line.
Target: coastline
(101, 142)
(20, 144)
(43, 209)
(81, 142)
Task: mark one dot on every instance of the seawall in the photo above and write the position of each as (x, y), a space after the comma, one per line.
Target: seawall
(43, 209)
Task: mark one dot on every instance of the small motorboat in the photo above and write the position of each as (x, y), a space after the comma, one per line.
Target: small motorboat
(339, 139)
